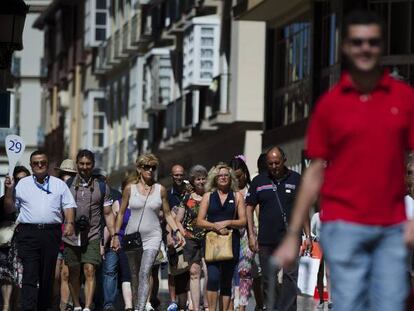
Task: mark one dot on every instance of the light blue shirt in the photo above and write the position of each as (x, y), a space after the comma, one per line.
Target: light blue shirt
(42, 205)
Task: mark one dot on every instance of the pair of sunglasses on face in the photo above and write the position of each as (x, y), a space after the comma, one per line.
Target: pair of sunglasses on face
(38, 163)
(148, 167)
(372, 42)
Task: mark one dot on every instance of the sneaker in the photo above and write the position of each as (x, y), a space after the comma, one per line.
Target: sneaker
(148, 307)
(320, 305)
(77, 309)
(330, 305)
(109, 308)
(172, 307)
(86, 309)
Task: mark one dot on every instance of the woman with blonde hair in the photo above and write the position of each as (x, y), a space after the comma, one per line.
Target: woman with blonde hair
(145, 198)
(222, 209)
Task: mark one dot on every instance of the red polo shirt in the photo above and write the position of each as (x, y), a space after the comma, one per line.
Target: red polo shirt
(364, 138)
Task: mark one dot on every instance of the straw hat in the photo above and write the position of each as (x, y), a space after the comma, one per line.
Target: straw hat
(67, 165)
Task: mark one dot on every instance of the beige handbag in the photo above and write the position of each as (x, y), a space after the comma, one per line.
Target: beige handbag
(220, 247)
(6, 233)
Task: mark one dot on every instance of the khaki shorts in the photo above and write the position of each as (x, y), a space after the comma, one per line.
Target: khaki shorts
(76, 255)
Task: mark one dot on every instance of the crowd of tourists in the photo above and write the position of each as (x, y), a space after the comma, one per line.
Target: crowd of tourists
(69, 241)
(75, 233)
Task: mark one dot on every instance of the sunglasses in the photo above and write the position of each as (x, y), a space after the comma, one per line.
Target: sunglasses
(372, 42)
(149, 167)
(38, 163)
(223, 176)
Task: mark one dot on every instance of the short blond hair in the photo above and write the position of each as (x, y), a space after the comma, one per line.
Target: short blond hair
(211, 184)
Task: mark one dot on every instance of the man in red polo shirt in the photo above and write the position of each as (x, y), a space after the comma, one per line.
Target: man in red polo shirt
(358, 137)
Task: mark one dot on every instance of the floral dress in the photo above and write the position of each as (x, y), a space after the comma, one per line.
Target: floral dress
(11, 268)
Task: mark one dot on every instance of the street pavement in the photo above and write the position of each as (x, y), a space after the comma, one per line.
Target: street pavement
(304, 303)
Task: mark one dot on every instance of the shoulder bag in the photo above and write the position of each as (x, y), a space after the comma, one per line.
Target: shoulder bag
(6, 233)
(133, 242)
(220, 247)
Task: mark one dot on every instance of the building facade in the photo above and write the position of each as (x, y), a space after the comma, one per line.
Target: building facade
(303, 57)
(72, 32)
(177, 82)
(27, 93)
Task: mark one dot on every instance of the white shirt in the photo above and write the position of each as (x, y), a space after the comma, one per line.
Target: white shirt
(409, 207)
(42, 206)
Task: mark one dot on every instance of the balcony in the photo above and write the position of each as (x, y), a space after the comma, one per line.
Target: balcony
(102, 64)
(132, 149)
(122, 153)
(126, 38)
(118, 45)
(264, 10)
(110, 51)
(136, 38)
(174, 119)
(105, 159)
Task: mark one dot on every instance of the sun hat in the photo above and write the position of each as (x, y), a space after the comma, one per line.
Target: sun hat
(67, 165)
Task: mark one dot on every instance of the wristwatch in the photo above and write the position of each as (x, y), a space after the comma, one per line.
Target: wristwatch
(115, 234)
(68, 222)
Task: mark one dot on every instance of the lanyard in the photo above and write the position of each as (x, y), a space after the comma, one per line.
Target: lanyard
(42, 186)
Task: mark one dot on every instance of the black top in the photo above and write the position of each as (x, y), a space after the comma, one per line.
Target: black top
(271, 225)
(217, 212)
(175, 198)
(3, 215)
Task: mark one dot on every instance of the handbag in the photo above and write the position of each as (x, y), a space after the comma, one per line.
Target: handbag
(308, 274)
(177, 262)
(161, 256)
(133, 242)
(218, 246)
(6, 233)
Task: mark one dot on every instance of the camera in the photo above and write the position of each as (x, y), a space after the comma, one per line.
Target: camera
(82, 223)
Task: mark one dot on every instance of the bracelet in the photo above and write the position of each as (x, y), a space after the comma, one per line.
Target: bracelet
(115, 234)
(68, 222)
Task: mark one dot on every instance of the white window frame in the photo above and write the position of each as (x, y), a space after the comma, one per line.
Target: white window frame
(89, 118)
(192, 48)
(90, 23)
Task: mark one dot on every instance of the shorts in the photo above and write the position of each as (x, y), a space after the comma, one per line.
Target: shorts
(193, 251)
(76, 255)
(182, 283)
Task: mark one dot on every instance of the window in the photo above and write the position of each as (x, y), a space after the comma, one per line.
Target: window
(99, 120)
(288, 94)
(96, 22)
(201, 52)
(293, 53)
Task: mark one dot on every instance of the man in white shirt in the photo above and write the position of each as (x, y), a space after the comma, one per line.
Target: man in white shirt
(43, 203)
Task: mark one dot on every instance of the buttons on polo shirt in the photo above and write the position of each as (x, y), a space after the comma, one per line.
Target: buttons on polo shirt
(364, 97)
(394, 110)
